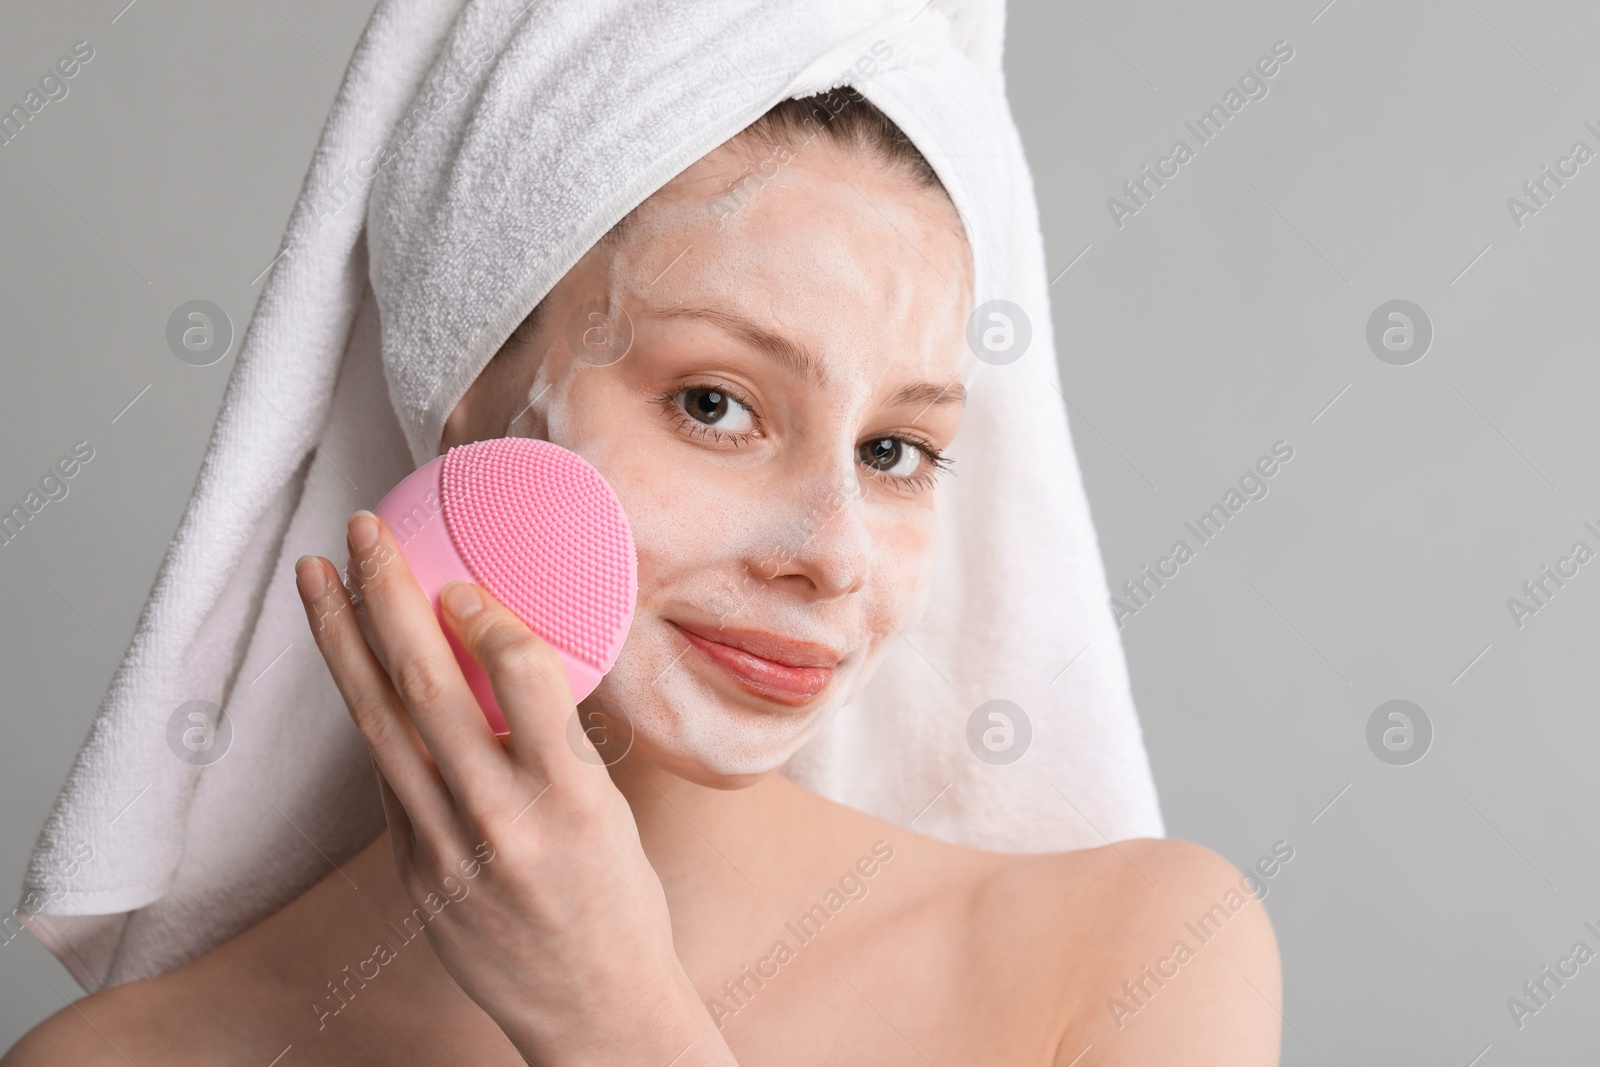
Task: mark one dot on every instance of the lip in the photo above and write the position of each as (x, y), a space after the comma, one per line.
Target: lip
(778, 668)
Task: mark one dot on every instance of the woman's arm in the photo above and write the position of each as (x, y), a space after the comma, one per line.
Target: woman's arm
(562, 933)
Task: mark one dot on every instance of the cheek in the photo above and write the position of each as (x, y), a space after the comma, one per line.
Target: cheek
(688, 541)
(903, 552)
(686, 517)
(598, 420)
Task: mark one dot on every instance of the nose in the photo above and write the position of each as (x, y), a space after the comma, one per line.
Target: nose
(822, 542)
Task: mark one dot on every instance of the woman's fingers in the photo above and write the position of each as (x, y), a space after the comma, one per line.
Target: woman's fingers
(405, 635)
(396, 748)
(528, 677)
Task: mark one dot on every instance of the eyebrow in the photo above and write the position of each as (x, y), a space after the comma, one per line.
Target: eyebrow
(793, 357)
(797, 359)
(930, 394)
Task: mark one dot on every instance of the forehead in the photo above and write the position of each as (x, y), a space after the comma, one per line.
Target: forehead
(844, 255)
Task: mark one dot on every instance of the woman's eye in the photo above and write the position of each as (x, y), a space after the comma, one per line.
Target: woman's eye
(713, 407)
(892, 456)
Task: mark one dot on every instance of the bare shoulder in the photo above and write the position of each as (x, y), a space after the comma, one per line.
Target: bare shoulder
(79, 1033)
(1182, 964)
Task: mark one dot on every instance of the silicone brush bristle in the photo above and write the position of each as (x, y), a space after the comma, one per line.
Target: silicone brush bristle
(542, 530)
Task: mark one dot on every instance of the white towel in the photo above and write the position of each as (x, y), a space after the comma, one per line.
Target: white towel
(475, 152)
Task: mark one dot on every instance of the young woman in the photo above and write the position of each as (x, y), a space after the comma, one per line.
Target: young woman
(682, 904)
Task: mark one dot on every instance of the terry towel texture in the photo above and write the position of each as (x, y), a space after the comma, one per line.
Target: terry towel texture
(475, 152)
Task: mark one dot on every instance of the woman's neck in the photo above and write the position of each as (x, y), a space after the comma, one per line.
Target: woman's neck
(682, 824)
(722, 852)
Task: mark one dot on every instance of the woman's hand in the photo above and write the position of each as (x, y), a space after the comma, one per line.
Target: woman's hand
(544, 908)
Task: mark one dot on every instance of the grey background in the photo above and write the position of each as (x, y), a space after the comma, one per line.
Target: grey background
(1229, 313)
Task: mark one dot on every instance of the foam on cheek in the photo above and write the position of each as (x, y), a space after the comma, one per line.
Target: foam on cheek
(694, 545)
(683, 717)
(899, 590)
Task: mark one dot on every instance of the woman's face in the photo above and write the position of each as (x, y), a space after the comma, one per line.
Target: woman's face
(771, 428)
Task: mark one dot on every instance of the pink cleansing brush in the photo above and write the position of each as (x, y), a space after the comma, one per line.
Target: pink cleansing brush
(538, 527)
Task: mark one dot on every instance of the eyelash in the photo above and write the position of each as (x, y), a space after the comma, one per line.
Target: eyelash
(938, 462)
